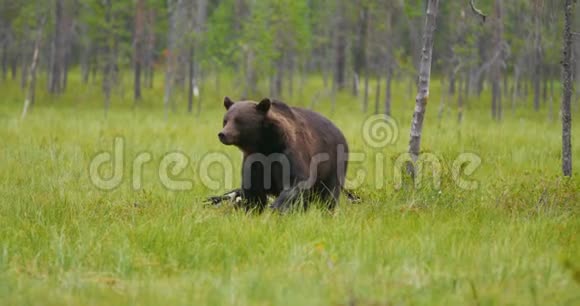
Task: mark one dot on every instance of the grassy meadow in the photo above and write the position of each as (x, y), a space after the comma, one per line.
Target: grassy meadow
(513, 240)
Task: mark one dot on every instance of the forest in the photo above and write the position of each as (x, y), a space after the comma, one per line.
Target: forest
(273, 47)
(458, 114)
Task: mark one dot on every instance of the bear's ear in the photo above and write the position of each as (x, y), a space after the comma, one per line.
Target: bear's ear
(264, 105)
(228, 103)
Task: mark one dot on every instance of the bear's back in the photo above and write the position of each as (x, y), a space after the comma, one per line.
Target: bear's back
(321, 127)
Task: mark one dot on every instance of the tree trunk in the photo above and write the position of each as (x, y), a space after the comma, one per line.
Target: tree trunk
(198, 81)
(5, 59)
(567, 91)
(149, 56)
(577, 100)
(217, 73)
(451, 82)
(378, 94)
(536, 81)
(66, 51)
(389, 63)
(411, 86)
(251, 74)
(551, 100)
(29, 101)
(200, 25)
(14, 66)
(537, 55)
(340, 62)
(65, 71)
(497, 63)
(482, 44)
(388, 82)
(279, 76)
(110, 65)
(57, 47)
(85, 69)
(516, 86)
(303, 77)
(291, 66)
(326, 67)
(442, 100)
(424, 80)
(24, 74)
(526, 90)
(137, 82)
(333, 96)
(151, 76)
(545, 87)
(360, 48)
(466, 88)
(191, 80)
(138, 39)
(51, 63)
(85, 54)
(506, 86)
(460, 102)
(496, 100)
(173, 7)
(366, 93)
(95, 67)
(340, 50)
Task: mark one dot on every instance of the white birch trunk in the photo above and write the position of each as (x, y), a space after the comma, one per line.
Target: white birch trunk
(424, 80)
(29, 100)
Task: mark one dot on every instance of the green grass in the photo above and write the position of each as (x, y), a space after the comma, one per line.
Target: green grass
(512, 241)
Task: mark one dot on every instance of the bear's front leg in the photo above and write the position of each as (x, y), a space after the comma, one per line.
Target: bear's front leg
(290, 196)
(253, 200)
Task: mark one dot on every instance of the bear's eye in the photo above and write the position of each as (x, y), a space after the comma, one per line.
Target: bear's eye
(225, 122)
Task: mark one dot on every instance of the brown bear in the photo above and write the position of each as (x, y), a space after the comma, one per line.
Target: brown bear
(290, 153)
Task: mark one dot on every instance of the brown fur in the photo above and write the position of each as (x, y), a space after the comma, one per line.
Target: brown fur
(272, 128)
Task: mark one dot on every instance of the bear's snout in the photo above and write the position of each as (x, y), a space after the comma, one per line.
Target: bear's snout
(224, 138)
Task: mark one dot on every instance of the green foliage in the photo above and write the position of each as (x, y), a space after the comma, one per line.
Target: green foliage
(221, 36)
(271, 27)
(24, 17)
(276, 27)
(414, 8)
(109, 26)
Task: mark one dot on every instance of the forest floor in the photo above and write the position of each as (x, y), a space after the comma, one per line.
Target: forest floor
(510, 239)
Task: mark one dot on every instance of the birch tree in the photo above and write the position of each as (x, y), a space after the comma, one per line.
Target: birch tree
(567, 88)
(199, 17)
(31, 93)
(173, 7)
(537, 53)
(424, 80)
(58, 48)
(360, 47)
(138, 48)
(497, 61)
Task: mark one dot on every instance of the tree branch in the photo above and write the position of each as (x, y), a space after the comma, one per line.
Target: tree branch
(476, 11)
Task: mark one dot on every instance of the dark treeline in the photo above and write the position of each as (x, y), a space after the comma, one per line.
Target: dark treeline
(351, 45)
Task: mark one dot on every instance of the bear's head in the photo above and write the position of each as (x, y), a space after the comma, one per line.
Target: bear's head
(245, 124)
